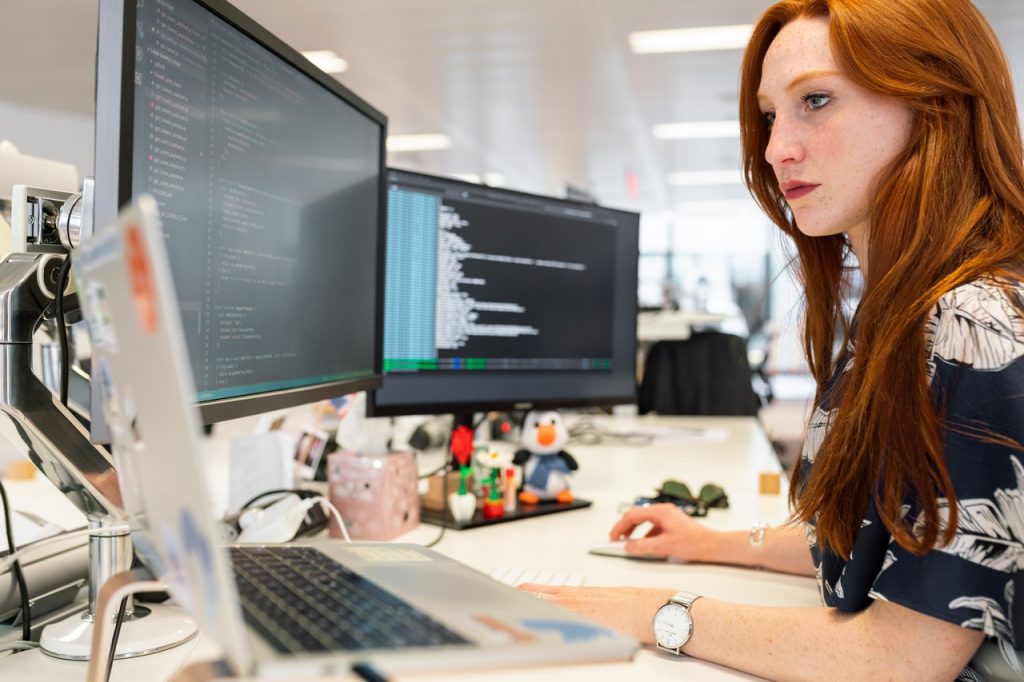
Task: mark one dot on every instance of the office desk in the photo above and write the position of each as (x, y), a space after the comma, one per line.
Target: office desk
(611, 475)
(676, 325)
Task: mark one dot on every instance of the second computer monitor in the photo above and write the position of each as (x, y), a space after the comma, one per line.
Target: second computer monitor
(495, 299)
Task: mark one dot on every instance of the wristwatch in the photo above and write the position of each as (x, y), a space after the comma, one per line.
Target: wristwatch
(673, 625)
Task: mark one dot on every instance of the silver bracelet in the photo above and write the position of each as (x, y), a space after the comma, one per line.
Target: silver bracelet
(756, 538)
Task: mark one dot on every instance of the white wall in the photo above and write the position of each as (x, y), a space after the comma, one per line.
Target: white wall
(52, 135)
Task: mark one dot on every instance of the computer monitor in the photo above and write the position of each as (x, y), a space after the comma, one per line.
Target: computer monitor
(269, 176)
(501, 300)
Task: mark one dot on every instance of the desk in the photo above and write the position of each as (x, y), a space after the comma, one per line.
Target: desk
(610, 475)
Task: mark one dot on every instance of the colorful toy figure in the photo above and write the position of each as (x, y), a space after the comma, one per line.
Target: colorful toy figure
(462, 504)
(547, 469)
(494, 505)
(494, 460)
(462, 445)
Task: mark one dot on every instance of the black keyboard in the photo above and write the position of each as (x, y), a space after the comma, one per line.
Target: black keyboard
(301, 600)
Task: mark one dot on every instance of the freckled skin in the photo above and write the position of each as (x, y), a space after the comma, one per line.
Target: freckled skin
(842, 145)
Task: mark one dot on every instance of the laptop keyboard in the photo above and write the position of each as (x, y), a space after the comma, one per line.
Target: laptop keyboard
(301, 600)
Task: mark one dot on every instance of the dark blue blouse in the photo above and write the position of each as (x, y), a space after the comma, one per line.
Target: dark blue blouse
(975, 356)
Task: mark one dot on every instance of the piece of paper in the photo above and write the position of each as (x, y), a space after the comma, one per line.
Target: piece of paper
(27, 528)
(680, 434)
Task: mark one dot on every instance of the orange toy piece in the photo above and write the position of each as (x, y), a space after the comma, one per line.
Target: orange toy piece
(528, 498)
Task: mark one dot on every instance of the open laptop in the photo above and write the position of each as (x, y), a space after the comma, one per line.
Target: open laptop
(310, 608)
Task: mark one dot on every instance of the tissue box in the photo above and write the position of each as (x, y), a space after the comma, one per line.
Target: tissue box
(376, 495)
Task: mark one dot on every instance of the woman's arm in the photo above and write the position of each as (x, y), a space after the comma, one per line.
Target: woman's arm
(674, 534)
(884, 641)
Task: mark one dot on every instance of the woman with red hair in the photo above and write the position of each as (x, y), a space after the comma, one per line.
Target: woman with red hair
(885, 133)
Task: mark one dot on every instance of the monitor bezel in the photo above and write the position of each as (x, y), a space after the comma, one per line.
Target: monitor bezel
(374, 409)
(115, 91)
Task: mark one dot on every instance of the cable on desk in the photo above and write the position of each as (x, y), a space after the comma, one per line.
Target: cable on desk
(365, 671)
(117, 633)
(337, 516)
(26, 612)
(11, 648)
(277, 491)
(586, 432)
(62, 330)
(435, 472)
(444, 503)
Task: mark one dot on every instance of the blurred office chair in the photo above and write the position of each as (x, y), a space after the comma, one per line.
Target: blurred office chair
(706, 374)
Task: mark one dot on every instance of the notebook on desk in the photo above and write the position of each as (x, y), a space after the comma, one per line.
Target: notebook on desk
(312, 608)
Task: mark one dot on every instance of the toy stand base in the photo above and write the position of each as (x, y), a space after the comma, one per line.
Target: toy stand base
(523, 511)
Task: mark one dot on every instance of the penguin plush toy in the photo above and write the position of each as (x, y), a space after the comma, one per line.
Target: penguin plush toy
(547, 468)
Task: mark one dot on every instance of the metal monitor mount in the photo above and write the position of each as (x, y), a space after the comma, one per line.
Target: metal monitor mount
(35, 422)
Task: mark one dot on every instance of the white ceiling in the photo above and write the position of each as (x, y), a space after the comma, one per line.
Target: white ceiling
(544, 92)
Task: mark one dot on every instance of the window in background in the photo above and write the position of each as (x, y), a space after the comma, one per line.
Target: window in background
(710, 256)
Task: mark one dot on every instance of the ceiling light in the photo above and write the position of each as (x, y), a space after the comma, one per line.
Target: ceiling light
(326, 60)
(494, 179)
(712, 177)
(418, 143)
(467, 177)
(691, 39)
(697, 130)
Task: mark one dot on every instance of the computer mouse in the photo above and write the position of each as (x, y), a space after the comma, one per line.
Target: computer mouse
(617, 548)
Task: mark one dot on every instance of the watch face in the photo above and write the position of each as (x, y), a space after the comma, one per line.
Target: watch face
(672, 626)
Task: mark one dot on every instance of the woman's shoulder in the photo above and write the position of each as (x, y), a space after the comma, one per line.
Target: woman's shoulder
(979, 324)
(989, 294)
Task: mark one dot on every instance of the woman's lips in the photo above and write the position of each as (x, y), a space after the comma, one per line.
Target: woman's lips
(799, 191)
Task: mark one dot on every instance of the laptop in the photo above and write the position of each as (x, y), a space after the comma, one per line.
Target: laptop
(304, 608)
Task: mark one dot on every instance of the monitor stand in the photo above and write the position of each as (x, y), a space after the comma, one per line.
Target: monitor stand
(442, 517)
(51, 437)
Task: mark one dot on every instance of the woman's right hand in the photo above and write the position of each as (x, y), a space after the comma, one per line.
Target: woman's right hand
(673, 534)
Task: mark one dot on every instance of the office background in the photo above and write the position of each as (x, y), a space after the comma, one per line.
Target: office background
(537, 95)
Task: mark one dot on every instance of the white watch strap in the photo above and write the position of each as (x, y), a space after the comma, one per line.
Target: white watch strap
(684, 598)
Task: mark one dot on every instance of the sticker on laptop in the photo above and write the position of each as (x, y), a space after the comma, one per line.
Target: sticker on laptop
(497, 631)
(532, 629)
(140, 272)
(189, 566)
(174, 566)
(568, 630)
(97, 316)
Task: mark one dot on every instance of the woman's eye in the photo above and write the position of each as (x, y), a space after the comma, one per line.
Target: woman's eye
(769, 117)
(816, 100)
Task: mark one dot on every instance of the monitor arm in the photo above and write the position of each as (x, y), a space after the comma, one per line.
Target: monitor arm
(32, 419)
(35, 421)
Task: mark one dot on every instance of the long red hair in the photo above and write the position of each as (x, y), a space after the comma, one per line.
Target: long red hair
(948, 209)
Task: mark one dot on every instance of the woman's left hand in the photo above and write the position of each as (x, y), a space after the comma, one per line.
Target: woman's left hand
(629, 610)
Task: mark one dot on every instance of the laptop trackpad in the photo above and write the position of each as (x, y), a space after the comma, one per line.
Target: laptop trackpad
(435, 583)
(441, 583)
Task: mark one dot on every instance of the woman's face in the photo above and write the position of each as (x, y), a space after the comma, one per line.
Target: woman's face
(830, 138)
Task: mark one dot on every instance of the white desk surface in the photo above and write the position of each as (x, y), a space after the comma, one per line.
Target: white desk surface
(611, 475)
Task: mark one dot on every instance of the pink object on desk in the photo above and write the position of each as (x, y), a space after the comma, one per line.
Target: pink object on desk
(376, 495)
